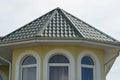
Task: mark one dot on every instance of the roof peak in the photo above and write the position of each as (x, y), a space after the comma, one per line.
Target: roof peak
(58, 8)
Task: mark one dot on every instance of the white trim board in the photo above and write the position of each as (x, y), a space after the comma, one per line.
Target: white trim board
(95, 59)
(62, 52)
(21, 56)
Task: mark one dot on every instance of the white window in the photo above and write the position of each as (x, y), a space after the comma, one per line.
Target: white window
(88, 66)
(58, 68)
(28, 68)
(58, 65)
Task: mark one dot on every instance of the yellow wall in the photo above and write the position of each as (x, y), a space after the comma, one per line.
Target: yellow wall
(4, 69)
(43, 50)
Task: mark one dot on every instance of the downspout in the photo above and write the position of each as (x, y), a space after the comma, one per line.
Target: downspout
(10, 66)
(109, 62)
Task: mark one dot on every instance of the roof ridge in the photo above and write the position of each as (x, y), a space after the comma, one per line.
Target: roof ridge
(45, 25)
(88, 25)
(64, 13)
(101, 32)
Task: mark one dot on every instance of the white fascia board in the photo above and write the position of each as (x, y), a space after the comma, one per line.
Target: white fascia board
(61, 41)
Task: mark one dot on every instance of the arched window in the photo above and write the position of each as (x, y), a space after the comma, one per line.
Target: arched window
(58, 68)
(58, 65)
(28, 68)
(1, 78)
(87, 68)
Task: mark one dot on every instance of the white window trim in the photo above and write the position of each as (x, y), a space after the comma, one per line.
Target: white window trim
(62, 52)
(97, 73)
(25, 66)
(58, 64)
(21, 57)
(87, 66)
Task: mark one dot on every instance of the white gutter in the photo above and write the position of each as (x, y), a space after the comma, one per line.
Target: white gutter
(10, 66)
(61, 41)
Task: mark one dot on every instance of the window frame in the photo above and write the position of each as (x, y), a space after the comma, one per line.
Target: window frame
(59, 65)
(20, 59)
(88, 66)
(96, 67)
(63, 52)
(26, 66)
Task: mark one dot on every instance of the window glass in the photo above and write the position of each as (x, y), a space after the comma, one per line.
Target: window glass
(29, 73)
(58, 68)
(29, 60)
(58, 73)
(58, 59)
(87, 73)
(87, 60)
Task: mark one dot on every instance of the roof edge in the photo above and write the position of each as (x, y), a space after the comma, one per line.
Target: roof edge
(66, 40)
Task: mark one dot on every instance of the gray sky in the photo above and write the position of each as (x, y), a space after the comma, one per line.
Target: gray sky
(102, 14)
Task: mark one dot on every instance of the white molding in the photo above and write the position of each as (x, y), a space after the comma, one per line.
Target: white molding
(65, 41)
(97, 73)
(5, 60)
(21, 56)
(88, 66)
(62, 52)
(58, 64)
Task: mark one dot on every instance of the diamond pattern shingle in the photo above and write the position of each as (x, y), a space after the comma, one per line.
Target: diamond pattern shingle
(88, 31)
(59, 27)
(58, 24)
(30, 30)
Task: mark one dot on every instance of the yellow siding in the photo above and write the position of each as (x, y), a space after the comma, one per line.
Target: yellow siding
(5, 70)
(43, 50)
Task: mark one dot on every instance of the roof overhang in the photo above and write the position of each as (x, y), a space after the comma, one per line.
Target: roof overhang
(60, 41)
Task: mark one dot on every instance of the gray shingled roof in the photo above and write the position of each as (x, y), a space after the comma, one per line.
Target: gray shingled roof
(57, 24)
(0, 37)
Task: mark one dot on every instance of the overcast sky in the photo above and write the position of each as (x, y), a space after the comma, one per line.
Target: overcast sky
(102, 14)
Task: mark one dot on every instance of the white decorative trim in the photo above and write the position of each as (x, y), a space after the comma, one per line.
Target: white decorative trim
(3, 75)
(21, 56)
(62, 52)
(65, 41)
(97, 75)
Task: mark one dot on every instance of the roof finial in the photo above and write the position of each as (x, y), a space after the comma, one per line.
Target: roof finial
(58, 8)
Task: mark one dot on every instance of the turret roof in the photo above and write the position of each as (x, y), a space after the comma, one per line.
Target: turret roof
(58, 24)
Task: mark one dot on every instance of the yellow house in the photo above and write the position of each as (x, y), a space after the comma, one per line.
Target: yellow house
(57, 46)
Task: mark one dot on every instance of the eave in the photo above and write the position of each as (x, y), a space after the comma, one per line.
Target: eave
(60, 41)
